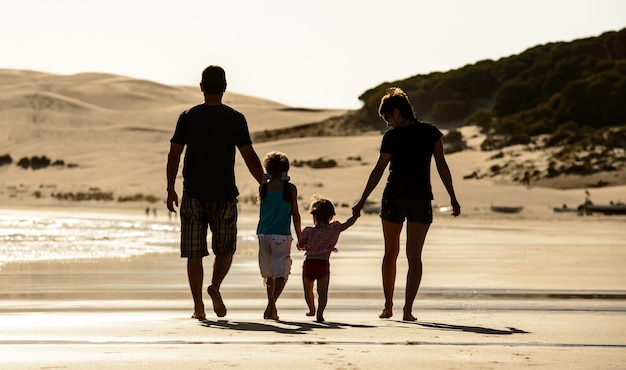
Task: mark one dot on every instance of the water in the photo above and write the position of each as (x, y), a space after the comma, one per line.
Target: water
(53, 235)
(44, 236)
(461, 254)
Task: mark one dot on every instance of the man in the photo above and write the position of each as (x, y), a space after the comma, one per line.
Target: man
(211, 132)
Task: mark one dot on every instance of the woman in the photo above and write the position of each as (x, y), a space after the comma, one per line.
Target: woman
(409, 146)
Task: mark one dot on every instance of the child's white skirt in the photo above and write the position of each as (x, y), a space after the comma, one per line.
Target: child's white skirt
(275, 255)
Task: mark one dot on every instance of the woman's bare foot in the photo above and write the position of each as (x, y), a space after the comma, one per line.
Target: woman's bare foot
(311, 312)
(218, 304)
(320, 318)
(387, 313)
(409, 317)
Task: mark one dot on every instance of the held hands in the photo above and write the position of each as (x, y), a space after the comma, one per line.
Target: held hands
(356, 209)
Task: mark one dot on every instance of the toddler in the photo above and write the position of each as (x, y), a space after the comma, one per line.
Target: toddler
(319, 242)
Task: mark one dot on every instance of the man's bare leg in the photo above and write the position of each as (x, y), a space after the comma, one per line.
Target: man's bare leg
(195, 274)
(220, 269)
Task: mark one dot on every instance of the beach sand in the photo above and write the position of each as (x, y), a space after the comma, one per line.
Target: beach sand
(504, 291)
(515, 294)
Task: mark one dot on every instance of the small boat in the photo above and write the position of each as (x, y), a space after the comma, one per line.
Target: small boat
(606, 209)
(507, 209)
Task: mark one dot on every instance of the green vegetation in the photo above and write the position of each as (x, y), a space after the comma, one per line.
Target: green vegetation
(82, 196)
(572, 92)
(5, 159)
(581, 84)
(453, 141)
(315, 163)
(568, 96)
(35, 162)
(250, 198)
(98, 195)
(138, 198)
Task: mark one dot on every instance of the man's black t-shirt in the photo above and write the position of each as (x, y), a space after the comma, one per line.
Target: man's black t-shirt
(411, 148)
(211, 133)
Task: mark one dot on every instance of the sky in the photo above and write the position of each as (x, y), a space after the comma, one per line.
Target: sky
(314, 54)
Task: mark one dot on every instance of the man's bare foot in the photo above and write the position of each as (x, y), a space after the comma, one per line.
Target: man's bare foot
(218, 304)
(409, 317)
(311, 312)
(199, 312)
(387, 313)
(201, 316)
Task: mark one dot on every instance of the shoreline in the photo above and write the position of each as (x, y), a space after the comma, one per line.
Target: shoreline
(539, 210)
(511, 294)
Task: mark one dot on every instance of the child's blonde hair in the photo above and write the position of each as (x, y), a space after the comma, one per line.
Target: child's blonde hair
(322, 208)
(276, 164)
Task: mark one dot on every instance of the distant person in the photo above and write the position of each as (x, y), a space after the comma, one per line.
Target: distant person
(211, 132)
(583, 209)
(319, 242)
(278, 209)
(526, 179)
(408, 145)
(588, 201)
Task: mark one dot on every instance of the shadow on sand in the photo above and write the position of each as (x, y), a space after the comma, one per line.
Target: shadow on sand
(278, 326)
(472, 329)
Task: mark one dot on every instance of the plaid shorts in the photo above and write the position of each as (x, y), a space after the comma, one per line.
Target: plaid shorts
(196, 216)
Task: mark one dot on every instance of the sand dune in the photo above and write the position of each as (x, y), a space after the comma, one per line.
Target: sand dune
(116, 130)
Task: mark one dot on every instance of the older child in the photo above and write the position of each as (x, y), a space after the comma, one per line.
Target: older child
(319, 242)
(278, 208)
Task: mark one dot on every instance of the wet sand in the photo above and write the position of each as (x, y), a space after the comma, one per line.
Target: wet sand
(511, 294)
